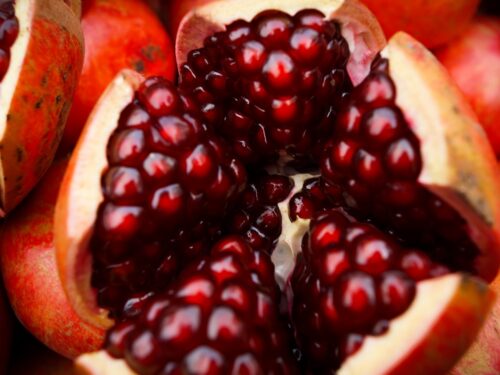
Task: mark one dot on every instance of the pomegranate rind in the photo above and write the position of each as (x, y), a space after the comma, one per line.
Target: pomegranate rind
(36, 94)
(432, 334)
(359, 26)
(459, 164)
(80, 195)
(76, 6)
(28, 267)
(101, 363)
(483, 358)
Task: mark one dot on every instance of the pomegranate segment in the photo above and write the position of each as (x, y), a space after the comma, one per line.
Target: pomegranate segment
(220, 316)
(9, 29)
(36, 89)
(350, 281)
(168, 181)
(459, 165)
(374, 159)
(272, 83)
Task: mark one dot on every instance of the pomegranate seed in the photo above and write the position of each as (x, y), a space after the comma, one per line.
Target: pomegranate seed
(396, 291)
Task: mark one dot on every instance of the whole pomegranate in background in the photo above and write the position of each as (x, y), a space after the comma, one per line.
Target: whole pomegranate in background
(433, 23)
(174, 10)
(118, 34)
(473, 60)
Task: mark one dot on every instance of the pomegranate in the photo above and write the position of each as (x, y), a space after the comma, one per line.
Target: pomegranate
(473, 60)
(36, 89)
(434, 23)
(170, 186)
(27, 260)
(118, 35)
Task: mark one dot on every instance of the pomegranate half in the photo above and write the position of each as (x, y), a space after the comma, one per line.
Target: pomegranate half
(170, 186)
(36, 91)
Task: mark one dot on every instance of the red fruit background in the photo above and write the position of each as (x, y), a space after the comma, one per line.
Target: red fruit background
(473, 60)
(118, 34)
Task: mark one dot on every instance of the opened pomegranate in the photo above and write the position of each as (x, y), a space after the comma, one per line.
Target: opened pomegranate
(36, 89)
(246, 146)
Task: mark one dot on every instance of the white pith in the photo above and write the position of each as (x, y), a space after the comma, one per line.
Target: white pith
(289, 243)
(24, 10)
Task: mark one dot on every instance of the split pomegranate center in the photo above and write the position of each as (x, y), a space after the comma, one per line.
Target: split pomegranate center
(9, 29)
(214, 160)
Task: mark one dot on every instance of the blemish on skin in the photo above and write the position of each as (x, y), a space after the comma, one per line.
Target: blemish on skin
(455, 110)
(38, 104)
(152, 52)
(19, 154)
(139, 66)
(58, 99)
(9, 117)
(44, 81)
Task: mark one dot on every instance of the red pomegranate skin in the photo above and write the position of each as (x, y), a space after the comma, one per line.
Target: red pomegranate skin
(118, 35)
(434, 23)
(29, 270)
(473, 60)
(174, 10)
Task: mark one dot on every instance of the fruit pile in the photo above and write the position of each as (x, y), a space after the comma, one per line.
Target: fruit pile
(289, 187)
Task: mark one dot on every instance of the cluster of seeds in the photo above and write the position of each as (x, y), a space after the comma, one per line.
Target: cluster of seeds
(177, 183)
(350, 281)
(373, 159)
(257, 217)
(313, 198)
(168, 181)
(219, 317)
(270, 84)
(9, 29)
